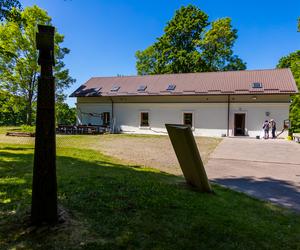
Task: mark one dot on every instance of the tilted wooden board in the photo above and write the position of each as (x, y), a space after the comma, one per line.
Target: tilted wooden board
(187, 153)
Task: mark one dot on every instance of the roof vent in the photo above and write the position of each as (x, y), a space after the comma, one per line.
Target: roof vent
(171, 87)
(115, 88)
(142, 88)
(256, 85)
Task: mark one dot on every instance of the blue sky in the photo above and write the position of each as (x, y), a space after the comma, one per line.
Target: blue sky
(104, 35)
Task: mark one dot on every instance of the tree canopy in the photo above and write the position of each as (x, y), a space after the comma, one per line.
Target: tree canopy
(64, 114)
(191, 43)
(292, 61)
(19, 70)
(8, 9)
(12, 109)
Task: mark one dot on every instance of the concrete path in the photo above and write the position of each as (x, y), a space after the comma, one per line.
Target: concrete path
(266, 169)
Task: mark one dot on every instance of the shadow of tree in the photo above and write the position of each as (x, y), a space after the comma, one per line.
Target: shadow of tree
(123, 207)
(281, 192)
(16, 148)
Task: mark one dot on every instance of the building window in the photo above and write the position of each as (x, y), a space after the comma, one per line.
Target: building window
(257, 85)
(106, 118)
(171, 87)
(115, 88)
(188, 119)
(142, 88)
(144, 119)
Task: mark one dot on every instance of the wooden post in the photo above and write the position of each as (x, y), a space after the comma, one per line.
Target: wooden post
(187, 153)
(44, 186)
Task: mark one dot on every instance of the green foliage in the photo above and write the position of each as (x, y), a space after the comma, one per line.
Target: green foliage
(116, 206)
(26, 128)
(12, 109)
(8, 9)
(65, 115)
(292, 61)
(187, 45)
(18, 66)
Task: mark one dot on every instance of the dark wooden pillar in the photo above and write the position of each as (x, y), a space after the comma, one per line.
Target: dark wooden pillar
(228, 114)
(44, 186)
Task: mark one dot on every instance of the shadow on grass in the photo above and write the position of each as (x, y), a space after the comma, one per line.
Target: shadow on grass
(15, 148)
(278, 191)
(125, 207)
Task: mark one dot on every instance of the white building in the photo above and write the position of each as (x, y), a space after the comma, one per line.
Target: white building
(234, 103)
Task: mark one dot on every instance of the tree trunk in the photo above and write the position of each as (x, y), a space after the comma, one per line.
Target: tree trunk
(29, 111)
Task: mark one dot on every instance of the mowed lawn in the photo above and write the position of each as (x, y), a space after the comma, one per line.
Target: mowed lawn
(108, 204)
(144, 150)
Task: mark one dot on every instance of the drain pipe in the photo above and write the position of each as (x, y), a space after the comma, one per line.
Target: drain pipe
(112, 115)
(228, 114)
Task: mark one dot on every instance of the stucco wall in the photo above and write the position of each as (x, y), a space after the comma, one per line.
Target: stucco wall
(256, 115)
(209, 119)
(84, 111)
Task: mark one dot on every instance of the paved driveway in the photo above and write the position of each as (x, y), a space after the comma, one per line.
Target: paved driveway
(266, 169)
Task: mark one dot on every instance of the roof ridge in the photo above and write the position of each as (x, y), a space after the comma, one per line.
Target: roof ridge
(191, 73)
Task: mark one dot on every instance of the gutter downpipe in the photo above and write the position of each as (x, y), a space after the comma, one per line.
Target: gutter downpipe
(228, 114)
(112, 115)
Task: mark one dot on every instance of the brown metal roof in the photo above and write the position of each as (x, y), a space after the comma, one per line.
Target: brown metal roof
(274, 81)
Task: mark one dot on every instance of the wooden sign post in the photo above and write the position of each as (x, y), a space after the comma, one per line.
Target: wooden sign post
(44, 186)
(187, 153)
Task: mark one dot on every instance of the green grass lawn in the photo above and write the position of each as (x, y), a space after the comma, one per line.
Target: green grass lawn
(113, 206)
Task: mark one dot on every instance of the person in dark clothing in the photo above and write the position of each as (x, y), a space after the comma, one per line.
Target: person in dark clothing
(273, 128)
(266, 127)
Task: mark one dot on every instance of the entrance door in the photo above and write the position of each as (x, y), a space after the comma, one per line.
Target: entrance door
(106, 118)
(239, 124)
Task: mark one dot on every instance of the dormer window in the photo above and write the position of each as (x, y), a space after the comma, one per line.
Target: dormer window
(171, 87)
(142, 88)
(115, 88)
(256, 85)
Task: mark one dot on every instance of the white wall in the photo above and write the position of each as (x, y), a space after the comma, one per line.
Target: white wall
(256, 115)
(210, 119)
(84, 109)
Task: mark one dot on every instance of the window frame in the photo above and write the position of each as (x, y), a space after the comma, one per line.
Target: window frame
(115, 88)
(171, 87)
(257, 85)
(140, 119)
(193, 118)
(106, 118)
(142, 88)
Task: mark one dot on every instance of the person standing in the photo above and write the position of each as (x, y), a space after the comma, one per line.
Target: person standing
(273, 128)
(266, 127)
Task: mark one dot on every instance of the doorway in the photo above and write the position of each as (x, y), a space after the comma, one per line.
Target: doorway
(239, 124)
(105, 119)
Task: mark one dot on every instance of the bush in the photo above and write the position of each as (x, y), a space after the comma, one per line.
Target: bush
(29, 129)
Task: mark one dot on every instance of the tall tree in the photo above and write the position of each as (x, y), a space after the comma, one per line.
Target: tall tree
(19, 70)
(187, 45)
(292, 61)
